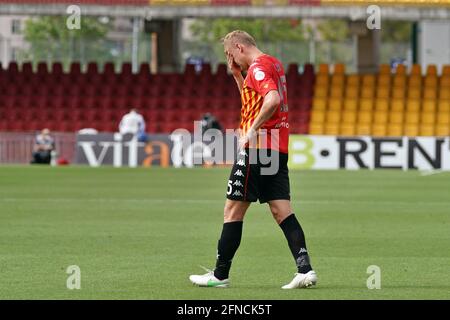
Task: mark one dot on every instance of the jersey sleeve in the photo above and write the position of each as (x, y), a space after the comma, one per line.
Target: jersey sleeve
(261, 80)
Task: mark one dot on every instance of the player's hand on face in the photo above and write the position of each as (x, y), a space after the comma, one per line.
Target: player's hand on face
(234, 67)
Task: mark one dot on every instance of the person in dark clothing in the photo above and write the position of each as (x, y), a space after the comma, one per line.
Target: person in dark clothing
(43, 147)
(210, 122)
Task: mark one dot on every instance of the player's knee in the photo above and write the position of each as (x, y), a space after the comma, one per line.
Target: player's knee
(232, 212)
(276, 215)
(279, 214)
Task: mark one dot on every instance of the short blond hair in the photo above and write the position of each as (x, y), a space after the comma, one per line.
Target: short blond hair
(240, 37)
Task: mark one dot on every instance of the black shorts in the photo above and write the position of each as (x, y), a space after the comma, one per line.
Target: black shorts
(257, 179)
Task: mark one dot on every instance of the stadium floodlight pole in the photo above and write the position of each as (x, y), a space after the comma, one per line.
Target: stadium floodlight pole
(135, 45)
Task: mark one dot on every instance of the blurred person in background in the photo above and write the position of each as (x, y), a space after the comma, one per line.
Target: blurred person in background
(44, 148)
(134, 123)
(210, 122)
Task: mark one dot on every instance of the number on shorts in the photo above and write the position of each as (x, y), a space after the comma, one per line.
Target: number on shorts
(230, 188)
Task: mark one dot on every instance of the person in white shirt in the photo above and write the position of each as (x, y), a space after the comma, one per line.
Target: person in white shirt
(133, 123)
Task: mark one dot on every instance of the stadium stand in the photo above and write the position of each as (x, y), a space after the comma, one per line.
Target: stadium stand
(327, 103)
(384, 104)
(67, 102)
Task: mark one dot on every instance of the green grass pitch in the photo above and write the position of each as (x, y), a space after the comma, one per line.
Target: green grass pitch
(139, 233)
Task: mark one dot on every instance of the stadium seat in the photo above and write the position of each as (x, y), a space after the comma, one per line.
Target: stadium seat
(363, 129)
(347, 129)
(396, 117)
(395, 130)
(379, 130)
(411, 130)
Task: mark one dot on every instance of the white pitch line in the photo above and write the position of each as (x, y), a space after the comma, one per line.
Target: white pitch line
(206, 201)
(430, 172)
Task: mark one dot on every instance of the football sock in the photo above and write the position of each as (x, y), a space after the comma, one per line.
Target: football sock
(227, 247)
(296, 241)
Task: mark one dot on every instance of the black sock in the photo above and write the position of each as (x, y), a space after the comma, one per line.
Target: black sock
(296, 241)
(227, 247)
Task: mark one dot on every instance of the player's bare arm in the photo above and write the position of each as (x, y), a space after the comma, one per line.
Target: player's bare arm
(269, 106)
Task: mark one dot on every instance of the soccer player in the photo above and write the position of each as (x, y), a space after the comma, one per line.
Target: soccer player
(264, 112)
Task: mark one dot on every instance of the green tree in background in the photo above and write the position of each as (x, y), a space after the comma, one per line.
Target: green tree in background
(288, 39)
(280, 37)
(333, 30)
(50, 40)
(396, 31)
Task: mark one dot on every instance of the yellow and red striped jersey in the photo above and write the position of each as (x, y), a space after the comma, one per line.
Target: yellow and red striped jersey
(264, 75)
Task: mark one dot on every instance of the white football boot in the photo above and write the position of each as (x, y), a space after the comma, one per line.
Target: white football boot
(208, 280)
(302, 280)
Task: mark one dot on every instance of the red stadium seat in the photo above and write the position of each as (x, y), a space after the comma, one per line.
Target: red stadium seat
(42, 69)
(27, 69)
(57, 69)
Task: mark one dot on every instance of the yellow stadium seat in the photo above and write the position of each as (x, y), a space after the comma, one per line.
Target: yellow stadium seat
(322, 81)
(416, 69)
(428, 118)
(413, 105)
(319, 104)
(396, 117)
(385, 69)
(351, 104)
(332, 129)
(379, 130)
(352, 92)
(321, 92)
(368, 80)
(382, 105)
(443, 118)
(348, 117)
(339, 68)
(335, 104)
(415, 82)
(430, 93)
(401, 69)
(426, 130)
(363, 129)
(317, 116)
(444, 105)
(398, 104)
(380, 117)
(400, 81)
(414, 93)
(337, 92)
(367, 92)
(383, 92)
(446, 70)
(364, 117)
(442, 130)
(411, 130)
(444, 94)
(347, 129)
(445, 82)
(431, 82)
(353, 80)
(316, 128)
(412, 117)
(432, 70)
(398, 92)
(395, 130)
(324, 69)
(384, 80)
(429, 105)
(333, 116)
(366, 104)
(337, 80)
